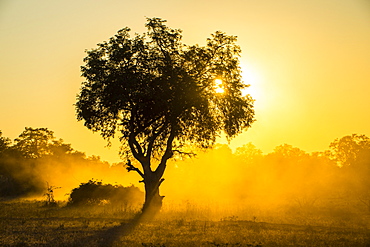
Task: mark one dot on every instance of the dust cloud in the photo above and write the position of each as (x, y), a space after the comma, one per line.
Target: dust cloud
(287, 179)
(63, 173)
(218, 182)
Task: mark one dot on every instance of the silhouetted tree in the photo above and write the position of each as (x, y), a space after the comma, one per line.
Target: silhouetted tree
(288, 151)
(248, 153)
(347, 150)
(34, 143)
(352, 153)
(5, 181)
(160, 96)
(4, 143)
(35, 154)
(40, 142)
(11, 162)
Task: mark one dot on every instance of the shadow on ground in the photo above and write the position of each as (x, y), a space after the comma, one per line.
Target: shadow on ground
(108, 237)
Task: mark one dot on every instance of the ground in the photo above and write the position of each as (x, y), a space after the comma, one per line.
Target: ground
(28, 223)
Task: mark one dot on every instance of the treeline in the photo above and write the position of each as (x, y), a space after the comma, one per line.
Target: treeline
(337, 177)
(37, 161)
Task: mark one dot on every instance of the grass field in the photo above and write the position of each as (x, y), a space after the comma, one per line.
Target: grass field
(28, 223)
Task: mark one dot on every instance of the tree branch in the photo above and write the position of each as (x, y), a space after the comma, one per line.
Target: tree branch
(130, 167)
(135, 147)
(160, 44)
(167, 154)
(152, 139)
(181, 153)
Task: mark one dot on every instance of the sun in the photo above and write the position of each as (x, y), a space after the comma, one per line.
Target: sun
(252, 78)
(218, 86)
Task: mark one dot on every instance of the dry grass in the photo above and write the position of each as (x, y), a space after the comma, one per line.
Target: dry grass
(30, 224)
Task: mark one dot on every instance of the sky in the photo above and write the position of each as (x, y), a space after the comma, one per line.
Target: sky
(308, 63)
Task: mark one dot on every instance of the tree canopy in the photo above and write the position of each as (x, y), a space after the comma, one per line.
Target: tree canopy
(155, 90)
(349, 149)
(4, 142)
(38, 142)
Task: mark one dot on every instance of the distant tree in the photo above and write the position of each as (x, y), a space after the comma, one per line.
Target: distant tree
(288, 151)
(4, 143)
(292, 172)
(34, 143)
(285, 157)
(248, 153)
(352, 153)
(39, 142)
(161, 96)
(25, 165)
(8, 185)
(348, 149)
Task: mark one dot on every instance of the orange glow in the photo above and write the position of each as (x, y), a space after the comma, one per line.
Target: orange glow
(306, 63)
(218, 86)
(278, 183)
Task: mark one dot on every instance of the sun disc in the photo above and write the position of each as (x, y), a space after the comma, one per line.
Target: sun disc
(218, 86)
(218, 82)
(220, 90)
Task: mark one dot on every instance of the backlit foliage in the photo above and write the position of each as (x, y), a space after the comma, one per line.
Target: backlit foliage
(155, 90)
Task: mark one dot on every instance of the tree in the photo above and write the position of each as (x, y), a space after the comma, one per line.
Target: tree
(288, 151)
(160, 96)
(36, 143)
(352, 154)
(248, 153)
(349, 149)
(4, 143)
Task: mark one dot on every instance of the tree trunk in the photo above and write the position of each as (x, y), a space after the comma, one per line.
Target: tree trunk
(153, 201)
(152, 179)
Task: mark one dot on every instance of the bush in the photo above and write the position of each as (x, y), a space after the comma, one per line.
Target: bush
(97, 193)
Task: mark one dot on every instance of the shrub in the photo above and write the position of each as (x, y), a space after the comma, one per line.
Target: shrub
(97, 193)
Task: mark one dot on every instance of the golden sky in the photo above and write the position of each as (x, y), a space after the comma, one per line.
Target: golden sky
(308, 63)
